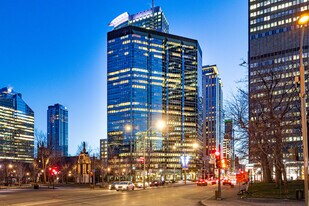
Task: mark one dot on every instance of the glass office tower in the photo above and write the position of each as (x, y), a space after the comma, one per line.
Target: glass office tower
(57, 129)
(152, 76)
(212, 113)
(153, 19)
(274, 43)
(16, 127)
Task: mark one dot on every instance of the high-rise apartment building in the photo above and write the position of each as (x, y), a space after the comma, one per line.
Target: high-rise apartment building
(16, 127)
(228, 144)
(57, 129)
(274, 43)
(153, 76)
(212, 112)
(103, 149)
(153, 19)
(227, 140)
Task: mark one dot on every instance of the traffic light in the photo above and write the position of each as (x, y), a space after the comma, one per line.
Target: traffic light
(142, 161)
(223, 163)
(53, 171)
(218, 159)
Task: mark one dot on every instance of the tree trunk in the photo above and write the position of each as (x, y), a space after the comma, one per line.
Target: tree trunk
(278, 176)
(266, 169)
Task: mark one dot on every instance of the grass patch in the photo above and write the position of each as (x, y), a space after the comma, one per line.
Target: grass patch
(269, 190)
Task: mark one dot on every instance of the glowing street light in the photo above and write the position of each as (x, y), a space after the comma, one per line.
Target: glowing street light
(303, 19)
(302, 22)
(160, 125)
(128, 128)
(195, 145)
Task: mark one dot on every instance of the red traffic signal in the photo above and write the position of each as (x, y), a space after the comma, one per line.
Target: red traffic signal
(141, 160)
(218, 159)
(53, 170)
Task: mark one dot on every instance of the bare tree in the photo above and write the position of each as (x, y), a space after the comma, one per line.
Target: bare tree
(44, 154)
(265, 120)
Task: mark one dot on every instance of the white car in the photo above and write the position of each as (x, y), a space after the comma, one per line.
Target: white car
(124, 185)
(141, 184)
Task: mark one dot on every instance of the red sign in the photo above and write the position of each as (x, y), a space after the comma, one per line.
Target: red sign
(242, 177)
(141, 159)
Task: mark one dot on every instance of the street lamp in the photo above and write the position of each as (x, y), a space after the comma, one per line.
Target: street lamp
(128, 128)
(196, 147)
(108, 172)
(160, 125)
(302, 22)
(174, 179)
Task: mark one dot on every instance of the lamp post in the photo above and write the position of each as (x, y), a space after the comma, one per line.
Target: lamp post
(129, 129)
(160, 125)
(174, 179)
(108, 173)
(302, 21)
(196, 147)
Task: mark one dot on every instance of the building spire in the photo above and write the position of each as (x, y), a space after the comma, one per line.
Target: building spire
(84, 147)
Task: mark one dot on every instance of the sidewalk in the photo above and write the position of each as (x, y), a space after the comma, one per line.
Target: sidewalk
(230, 198)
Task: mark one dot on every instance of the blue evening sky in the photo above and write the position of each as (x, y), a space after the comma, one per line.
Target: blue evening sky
(54, 51)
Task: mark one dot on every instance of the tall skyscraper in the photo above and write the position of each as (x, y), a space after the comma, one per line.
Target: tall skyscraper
(57, 129)
(228, 143)
(153, 19)
(274, 43)
(16, 127)
(153, 76)
(212, 112)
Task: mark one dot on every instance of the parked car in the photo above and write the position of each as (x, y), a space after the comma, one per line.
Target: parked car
(124, 185)
(227, 182)
(156, 183)
(112, 186)
(201, 182)
(213, 181)
(141, 184)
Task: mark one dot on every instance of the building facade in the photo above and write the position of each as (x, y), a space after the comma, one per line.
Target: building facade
(153, 76)
(212, 113)
(228, 144)
(57, 129)
(153, 19)
(274, 44)
(16, 128)
(103, 149)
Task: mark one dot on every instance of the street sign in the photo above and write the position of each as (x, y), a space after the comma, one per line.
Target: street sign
(242, 177)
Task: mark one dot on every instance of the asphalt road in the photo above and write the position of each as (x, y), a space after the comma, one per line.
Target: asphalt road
(187, 195)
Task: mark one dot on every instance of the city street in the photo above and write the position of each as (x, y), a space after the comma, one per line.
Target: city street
(173, 195)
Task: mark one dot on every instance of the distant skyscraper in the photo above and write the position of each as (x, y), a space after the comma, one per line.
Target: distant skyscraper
(57, 129)
(212, 110)
(227, 147)
(153, 76)
(274, 43)
(103, 149)
(149, 19)
(16, 127)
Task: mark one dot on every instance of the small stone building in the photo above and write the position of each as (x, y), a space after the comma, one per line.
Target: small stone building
(83, 167)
